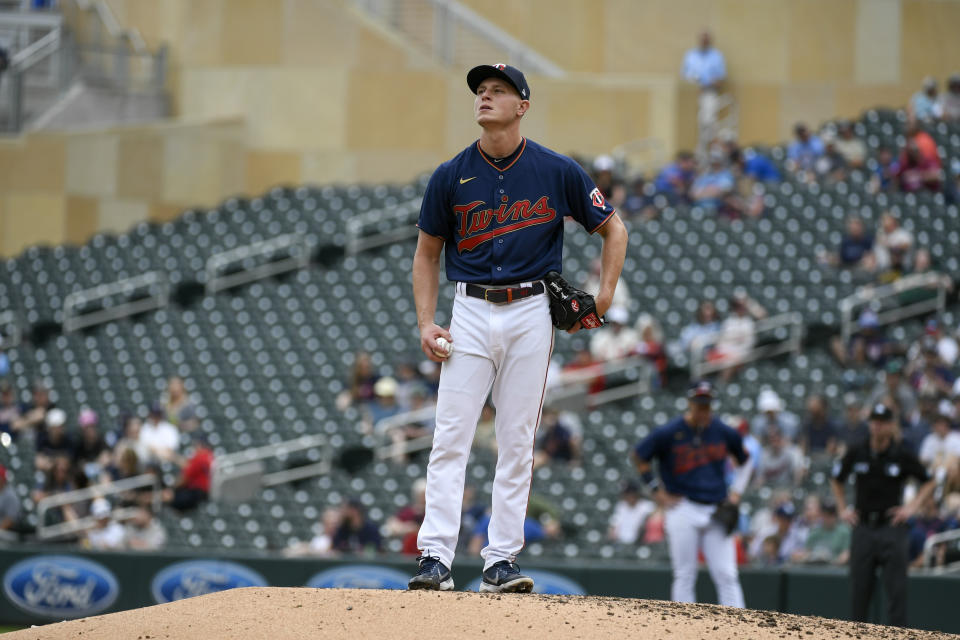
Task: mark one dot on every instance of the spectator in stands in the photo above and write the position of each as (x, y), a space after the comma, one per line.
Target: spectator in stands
(705, 66)
(58, 479)
(385, 406)
(143, 532)
(629, 514)
(650, 347)
(639, 203)
(616, 340)
(924, 105)
(828, 541)
(159, 438)
(193, 487)
(947, 347)
(558, 440)
(321, 544)
(852, 148)
(621, 298)
(790, 535)
(583, 361)
(925, 523)
(869, 346)
(737, 333)
(533, 531)
(942, 444)
(895, 386)
(9, 504)
(91, 454)
(782, 462)
(129, 441)
(950, 101)
(855, 245)
(885, 172)
(9, 409)
(33, 417)
(803, 152)
(832, 166)
(914, 428)
(819, 434)
(713, 188)
(107, 534)
(356, 533)
(853, 429)
(408, 383)
(405, 523)
(705, 323)
(918, 171)
(675, 179)
(362, 379)
(603, 166)
(180, 411)
(769, 552)
(53, 441)
(774, 415)
(4, 361)
(928, 375)
(751, 164)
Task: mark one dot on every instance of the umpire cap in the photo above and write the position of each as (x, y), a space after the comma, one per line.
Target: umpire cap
(512, 75)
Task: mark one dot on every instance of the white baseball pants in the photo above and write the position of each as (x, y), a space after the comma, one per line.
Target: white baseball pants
(505, 347)
(689, 528)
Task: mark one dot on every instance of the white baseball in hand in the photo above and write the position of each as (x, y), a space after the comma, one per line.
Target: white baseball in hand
(445, 348)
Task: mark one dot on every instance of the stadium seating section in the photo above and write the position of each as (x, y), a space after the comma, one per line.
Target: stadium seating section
(265, 361)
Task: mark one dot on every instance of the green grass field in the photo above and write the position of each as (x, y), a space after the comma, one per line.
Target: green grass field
(4, 629)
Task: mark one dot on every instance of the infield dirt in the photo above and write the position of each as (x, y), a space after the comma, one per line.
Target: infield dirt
(281, 613)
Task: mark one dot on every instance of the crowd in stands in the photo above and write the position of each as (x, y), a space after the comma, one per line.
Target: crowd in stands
(78, 452)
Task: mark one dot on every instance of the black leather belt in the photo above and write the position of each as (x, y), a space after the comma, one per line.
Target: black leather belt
(708, 504)
(499, 296)
(875, 519)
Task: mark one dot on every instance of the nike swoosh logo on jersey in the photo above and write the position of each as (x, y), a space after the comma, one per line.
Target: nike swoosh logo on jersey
(465, 180)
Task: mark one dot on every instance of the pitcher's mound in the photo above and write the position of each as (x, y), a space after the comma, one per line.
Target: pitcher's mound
(280, 613)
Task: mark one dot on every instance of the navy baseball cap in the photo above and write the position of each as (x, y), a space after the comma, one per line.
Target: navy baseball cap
(701, 391)
(512, 75)
(881, 411)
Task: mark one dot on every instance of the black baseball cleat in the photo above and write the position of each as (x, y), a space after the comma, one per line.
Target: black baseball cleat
(432, 576)
(505, 577)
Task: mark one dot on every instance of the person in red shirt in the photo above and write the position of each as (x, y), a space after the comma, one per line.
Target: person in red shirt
(405, 523)
(918, 170)
(194, 484)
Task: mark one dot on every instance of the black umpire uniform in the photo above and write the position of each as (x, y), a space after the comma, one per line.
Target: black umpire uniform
(881, 466)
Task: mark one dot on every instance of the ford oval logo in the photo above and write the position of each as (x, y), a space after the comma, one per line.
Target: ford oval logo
(359, 576)
(545, 582)
(60, 586)
(199, 577)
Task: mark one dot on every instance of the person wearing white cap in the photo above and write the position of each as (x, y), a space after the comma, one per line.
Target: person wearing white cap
(923, 104)
(617, 339)
(106, 533)
(773, 413)
(53, 441)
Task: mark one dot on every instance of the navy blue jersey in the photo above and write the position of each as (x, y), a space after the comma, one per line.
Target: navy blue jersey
(692, 464)
(504, 224)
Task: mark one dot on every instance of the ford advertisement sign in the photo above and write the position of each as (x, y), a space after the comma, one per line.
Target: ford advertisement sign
(359, 576)
(199, 577)
(60, 587)
(545, 582)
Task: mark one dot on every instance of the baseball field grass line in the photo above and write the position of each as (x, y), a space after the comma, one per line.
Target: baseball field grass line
(7, 629)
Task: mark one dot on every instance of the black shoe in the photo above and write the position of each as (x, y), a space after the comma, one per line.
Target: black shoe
(505, 577)
(432, 575)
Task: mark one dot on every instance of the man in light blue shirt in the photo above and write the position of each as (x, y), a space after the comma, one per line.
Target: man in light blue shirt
(923, 104)
(712, 187)
(705, 65)
(803, 152)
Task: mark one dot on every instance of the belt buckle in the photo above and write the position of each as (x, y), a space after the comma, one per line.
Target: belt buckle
(486, 292)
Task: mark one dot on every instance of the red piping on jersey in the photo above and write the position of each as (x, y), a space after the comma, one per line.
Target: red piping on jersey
(533, 445)
(605, 220)
(523, 145)
(471, 243)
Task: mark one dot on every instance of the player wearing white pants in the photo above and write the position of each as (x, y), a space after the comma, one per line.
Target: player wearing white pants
(690, 528)
(506, 347)
(692, 452)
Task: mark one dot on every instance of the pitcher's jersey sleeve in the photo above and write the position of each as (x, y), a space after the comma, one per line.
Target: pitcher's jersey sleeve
(587, 204)
(734, 443)
(435, 210)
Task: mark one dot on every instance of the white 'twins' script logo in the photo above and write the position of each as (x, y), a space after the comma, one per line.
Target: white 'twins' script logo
(52, 586)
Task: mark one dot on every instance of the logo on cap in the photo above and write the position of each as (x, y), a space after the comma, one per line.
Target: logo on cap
(500, 66)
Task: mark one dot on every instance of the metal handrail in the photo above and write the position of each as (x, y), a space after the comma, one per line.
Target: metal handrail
(699, 367)
(240, 461)
(401, 214)
(36, 51)
(156, 281)
(570, 384)
(112, 25)
(871, 294)
(299, 258)
(928, 550)
(47, 532)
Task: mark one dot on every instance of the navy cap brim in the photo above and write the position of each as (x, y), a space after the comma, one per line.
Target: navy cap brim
(701, 399)
(480, 73)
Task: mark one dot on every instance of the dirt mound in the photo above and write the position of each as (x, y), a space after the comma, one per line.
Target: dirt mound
(281, 613)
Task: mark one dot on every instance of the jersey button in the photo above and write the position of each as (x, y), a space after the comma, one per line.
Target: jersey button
(501, 242)
(498, 268)
(501, 177)
(501, 190)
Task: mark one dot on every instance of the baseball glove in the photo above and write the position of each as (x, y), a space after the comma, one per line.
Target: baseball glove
(727, 515)
(569, 304)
